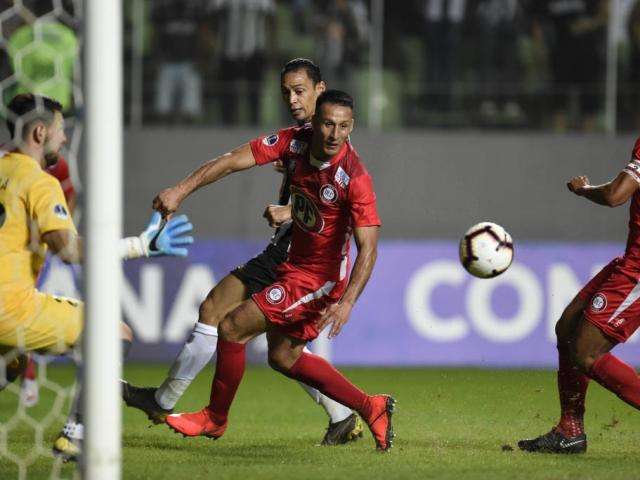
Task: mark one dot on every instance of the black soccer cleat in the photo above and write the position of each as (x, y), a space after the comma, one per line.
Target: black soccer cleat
(344, 431)
(144, 398)
(555, 442)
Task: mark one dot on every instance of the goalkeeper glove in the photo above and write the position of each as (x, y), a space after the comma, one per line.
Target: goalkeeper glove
(160, 238)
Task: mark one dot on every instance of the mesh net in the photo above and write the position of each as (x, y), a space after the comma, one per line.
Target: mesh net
(40, 48)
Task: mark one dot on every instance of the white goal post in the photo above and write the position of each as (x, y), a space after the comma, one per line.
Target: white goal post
(103, 154)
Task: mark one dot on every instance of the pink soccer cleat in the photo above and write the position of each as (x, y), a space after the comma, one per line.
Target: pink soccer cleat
(196, 424)
(378, 418)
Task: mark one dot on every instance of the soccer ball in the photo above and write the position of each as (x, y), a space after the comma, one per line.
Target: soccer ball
(486, 250)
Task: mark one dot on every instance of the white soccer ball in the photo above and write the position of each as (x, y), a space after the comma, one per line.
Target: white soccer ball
(486, 250)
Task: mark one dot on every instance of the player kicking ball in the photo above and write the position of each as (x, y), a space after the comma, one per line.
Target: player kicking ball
(301, 84)
(332, 198)
(35, 218)
(604, 313)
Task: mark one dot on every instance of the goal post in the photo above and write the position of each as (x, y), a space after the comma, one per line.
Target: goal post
(103, 156)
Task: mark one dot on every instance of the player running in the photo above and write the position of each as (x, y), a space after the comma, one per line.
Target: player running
(332, 197)
(301, 84)
(604, 313)
(34, 218)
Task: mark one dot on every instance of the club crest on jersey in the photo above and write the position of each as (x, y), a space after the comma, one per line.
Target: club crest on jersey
(271, 140)
(305, 212)
(296, 146)
(275, 295)
(60, 212)
(342, 178)
(328, 194)
(598, 302)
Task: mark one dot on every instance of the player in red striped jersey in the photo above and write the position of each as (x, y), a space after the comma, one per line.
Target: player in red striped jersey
(300, 83)
(332, 198)
(603, 314)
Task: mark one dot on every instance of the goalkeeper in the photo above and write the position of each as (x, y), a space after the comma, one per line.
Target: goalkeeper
(34, 218)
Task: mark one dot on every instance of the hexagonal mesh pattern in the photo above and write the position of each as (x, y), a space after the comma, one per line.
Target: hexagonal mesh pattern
(40, 49)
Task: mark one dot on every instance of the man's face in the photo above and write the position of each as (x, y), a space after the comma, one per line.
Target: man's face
(54, 140)
(300, 94)
(332, 126)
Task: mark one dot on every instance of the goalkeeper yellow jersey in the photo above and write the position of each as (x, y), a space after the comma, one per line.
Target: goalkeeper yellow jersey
(31, 204)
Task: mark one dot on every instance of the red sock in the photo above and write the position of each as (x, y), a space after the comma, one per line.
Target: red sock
(572, 389)
(618, 377)
(316, 372)
(30, 372)
(229, 372)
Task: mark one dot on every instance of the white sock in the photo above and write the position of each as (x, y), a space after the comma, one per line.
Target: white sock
(193, 357)
(336, 411)
(73, 430)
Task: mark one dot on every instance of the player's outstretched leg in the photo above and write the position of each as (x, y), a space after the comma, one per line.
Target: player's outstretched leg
(591, 350)
(158, 403)
(237, 328)
(568, 435)
(287, 357)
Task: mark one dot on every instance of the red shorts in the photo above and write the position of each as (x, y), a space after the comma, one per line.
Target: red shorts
(612, 297)
(296, 300)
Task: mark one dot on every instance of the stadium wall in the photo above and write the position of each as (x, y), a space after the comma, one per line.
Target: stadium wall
(430, 184)
(420, 307)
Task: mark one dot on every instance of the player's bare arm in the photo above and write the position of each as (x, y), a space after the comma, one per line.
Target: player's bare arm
(66, 244)
(277, 215)
(169, 199)
(337, 315)
(611, 194)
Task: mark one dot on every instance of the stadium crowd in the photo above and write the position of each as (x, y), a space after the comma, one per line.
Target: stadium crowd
(452, 63)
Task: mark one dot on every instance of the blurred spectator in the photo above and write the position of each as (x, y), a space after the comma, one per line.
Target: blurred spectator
(634, 61)
(574, 32)
(246, 30)
(497, 46)
(443, 30)
(177, 28)
(47, 69)
(342, 28)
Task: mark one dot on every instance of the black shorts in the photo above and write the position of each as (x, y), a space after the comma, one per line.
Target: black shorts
(260, 272)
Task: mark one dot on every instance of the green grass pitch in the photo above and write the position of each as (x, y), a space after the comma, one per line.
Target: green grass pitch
(450, 423)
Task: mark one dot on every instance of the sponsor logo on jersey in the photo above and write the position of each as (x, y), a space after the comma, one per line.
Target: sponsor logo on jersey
(296, 146)
(342, 178)
(60, 212)
(275, 295)
(305, 212)
(328, 194)
(271, 140)
(598, 302)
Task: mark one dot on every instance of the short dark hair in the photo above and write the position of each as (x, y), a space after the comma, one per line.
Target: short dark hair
(313, 70)
(27, 108)
(335, 97)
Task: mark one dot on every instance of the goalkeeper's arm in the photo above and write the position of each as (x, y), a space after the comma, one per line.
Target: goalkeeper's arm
(160, 238)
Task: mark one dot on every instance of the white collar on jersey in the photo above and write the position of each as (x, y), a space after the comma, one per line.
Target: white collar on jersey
(317, 163)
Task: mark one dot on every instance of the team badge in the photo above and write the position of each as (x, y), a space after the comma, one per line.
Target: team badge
(60, 212)
(296, 146)
(328, 194)
(342, 178)
(275, 295)
(598, 302)
(305, 212)
(271, 140)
